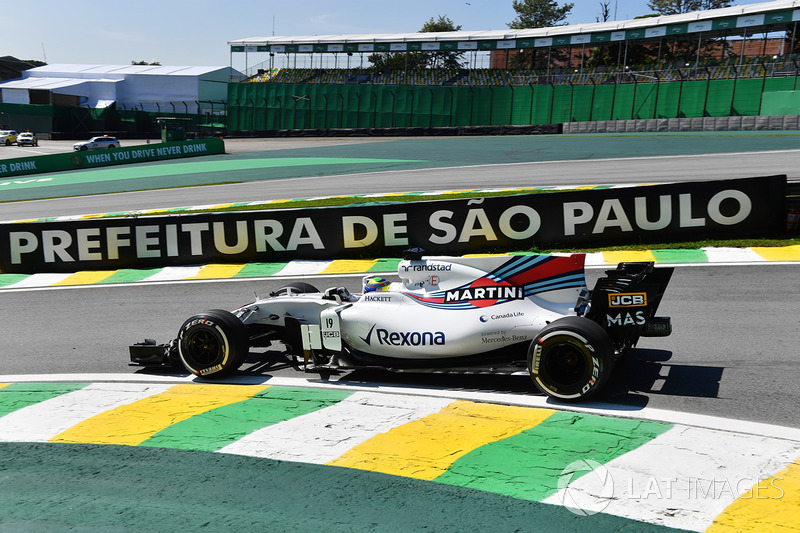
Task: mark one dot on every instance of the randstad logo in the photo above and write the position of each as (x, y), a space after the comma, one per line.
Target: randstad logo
(405, 338)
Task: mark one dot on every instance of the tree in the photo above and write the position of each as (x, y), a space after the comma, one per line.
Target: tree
(605, 12)
(398, 60)
(685, 51)
(444, 58)
(538, 14)
(601, 54)
(676, 7)
(412, 60)
(156, 63)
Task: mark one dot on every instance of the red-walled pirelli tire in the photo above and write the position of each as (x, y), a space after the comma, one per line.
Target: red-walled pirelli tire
(571, 359)
(212, 344)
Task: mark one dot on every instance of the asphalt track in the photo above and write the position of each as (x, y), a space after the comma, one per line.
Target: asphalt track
(237, 492)
(732, 353)
(259, 169)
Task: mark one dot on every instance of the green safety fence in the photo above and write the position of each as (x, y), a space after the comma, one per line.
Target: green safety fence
(781, 103)
(83, 122)
(254, 107)
(261, 107)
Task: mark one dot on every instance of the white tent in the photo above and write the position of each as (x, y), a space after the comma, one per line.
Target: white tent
(179, 89)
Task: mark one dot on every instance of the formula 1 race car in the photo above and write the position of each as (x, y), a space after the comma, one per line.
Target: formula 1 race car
(526, 314)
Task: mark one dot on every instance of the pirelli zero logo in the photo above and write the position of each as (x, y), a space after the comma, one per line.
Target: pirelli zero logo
(627, 299)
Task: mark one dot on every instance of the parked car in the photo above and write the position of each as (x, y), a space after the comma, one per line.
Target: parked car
(8, 137)
(95, 143)
(27, 138)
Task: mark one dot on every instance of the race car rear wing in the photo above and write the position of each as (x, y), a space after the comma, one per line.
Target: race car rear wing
(625, 301)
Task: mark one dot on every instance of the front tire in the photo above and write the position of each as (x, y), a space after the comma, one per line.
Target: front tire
(571, 359)
(212, 344)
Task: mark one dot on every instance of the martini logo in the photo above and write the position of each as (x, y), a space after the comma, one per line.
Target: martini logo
(484, 292)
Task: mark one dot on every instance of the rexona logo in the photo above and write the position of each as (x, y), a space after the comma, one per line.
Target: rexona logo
(632, 299)
(484, 292)
(404, 338)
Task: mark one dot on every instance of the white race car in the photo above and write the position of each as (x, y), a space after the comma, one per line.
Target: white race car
(525, 314)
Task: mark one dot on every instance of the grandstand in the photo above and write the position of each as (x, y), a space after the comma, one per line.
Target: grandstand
(738, 61)
(743, 41)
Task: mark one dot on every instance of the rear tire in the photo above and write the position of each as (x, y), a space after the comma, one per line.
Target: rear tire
(212, 344)
(571, 359)
(295, 287)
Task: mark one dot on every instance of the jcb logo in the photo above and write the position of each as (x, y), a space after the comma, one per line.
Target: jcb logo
(631, 299)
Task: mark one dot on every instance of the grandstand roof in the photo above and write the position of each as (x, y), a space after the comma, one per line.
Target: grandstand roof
(776, 15)
(114, 71)
(147, 87)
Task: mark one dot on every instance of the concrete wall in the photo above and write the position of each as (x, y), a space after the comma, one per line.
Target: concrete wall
(750, 123)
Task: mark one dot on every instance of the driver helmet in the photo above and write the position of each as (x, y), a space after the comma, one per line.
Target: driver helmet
(376, 284)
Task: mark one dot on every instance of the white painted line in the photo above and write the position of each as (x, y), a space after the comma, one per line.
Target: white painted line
(47, 281)
(328, 433)
(303, 268)
(173, 274)
(683, 478)
(39, 280)
(44, 420)
(97, 378)
(732, 255)
(595, 259)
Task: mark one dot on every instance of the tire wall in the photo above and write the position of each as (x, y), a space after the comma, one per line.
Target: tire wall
(260, 107)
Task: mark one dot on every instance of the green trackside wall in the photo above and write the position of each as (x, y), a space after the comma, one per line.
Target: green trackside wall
(82, 122)
(254, 107)
(22, 117)
(104, 158)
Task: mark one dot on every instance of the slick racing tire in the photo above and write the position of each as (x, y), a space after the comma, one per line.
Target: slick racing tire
(295, 287)
(212, 344)
(571, 359)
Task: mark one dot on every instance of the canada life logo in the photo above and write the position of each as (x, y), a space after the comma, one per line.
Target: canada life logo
(485, 292)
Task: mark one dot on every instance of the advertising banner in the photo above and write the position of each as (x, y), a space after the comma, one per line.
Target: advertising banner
(749, 207)
(112, 156)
